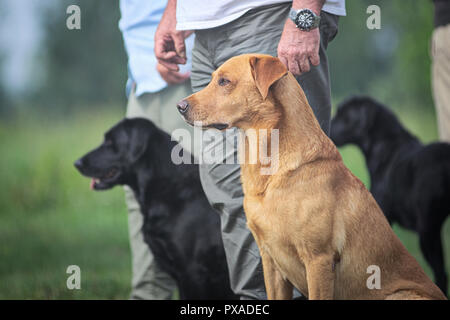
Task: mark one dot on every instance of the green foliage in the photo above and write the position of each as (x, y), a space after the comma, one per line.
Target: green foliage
(82, 67)
(5, 103)
(391, 64)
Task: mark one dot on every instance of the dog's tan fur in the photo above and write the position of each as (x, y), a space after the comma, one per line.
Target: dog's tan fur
(317, 227)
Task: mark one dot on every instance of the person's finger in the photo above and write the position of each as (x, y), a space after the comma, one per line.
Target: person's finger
(168, 58)
(167, 55)
(170, 79)
(180, 47)
(179, 77)
(304, 64)
(169, 65)
(176, 77)
(314, 59)
(182, 76)
(293, 67)
(161, 51)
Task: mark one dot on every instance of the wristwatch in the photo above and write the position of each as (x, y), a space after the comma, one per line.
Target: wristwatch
(304, 19)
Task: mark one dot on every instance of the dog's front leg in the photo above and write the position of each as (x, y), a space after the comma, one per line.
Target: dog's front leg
(320, 276)
(277, 287)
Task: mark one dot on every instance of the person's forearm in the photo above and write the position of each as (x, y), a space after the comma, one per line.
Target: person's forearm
(170, 49)
(314, 5)
(171, 10)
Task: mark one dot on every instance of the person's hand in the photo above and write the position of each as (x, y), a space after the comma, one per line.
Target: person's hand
(298, 49)
(170, 49)
(170, 76)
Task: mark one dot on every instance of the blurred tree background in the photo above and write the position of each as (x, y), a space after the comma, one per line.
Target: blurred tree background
(76, 69)
(391, 64)
(82, 68)
(72, 89)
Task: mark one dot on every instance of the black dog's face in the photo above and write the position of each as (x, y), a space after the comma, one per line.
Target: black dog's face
(109, 164)
(351, 122)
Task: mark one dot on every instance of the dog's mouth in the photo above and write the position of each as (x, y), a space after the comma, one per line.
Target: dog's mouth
(199, 124)
(218, 126)
(105, 181)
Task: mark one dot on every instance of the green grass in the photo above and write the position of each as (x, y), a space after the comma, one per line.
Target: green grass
(49, 219)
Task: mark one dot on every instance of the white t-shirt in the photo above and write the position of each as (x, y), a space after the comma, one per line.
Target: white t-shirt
(201, 14)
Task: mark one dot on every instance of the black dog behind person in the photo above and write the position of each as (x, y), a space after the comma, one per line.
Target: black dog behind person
(180, 226)
(409, 180)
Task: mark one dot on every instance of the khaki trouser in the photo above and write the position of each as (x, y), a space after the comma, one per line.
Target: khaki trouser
(148, 280)
(441, 79)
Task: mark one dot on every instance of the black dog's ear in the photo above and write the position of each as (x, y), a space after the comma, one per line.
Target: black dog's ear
(137, 149)
(367, 114)
(138, 141)
(360, 111)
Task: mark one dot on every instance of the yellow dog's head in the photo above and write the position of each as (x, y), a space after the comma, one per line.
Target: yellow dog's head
(238, 94)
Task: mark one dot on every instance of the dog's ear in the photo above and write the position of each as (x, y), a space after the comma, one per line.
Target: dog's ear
(266, 71)
(138, 141)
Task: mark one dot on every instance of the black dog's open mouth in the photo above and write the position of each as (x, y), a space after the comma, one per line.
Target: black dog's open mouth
(104, 182)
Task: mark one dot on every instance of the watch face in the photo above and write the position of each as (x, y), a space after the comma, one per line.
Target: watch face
(305, 19)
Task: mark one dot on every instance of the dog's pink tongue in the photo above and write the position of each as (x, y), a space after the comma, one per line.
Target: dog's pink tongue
(92, 184)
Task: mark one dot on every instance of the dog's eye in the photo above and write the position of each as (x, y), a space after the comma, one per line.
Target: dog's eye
(223, 82)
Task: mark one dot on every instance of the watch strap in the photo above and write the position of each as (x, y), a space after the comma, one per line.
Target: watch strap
(293, 14)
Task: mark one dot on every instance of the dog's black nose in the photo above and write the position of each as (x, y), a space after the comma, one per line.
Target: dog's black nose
(183, 106)
(78, 164)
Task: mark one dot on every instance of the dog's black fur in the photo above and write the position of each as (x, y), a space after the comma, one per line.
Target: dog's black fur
(410, 181)
(180, 226)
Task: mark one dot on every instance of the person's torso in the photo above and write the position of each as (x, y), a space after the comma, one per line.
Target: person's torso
(198, 14)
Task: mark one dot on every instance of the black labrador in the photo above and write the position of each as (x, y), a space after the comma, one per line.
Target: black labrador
(180, 227)
(409, 180)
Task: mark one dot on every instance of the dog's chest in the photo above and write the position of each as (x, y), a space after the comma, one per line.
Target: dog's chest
(271, 236)
(262, 223)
